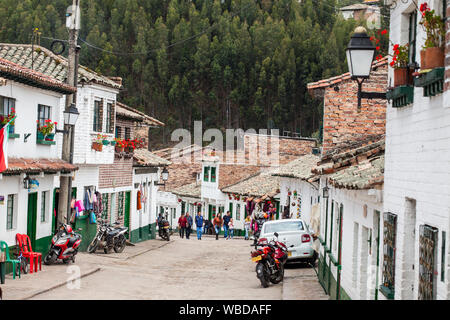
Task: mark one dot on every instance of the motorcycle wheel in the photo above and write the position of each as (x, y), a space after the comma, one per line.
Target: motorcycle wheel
(261, 274)
(50, 258)
(279, 277)
(167, 236)
(66, 261)
(120, 245)
(93, 246)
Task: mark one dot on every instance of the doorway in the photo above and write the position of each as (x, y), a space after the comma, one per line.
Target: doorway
(32, 218)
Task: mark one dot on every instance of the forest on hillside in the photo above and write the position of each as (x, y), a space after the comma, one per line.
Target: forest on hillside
(230, 63)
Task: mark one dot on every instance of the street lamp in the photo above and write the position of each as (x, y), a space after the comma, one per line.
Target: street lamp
(26, 182)
(360, 53)
(71, 115)
(326, 192)
(164, 176)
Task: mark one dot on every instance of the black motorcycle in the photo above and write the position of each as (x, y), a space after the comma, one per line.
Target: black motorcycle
(108, 238)
(164, 229)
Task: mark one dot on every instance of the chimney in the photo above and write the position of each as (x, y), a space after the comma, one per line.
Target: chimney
(117, 80)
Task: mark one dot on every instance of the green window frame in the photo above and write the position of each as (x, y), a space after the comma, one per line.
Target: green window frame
(183, 207)
(118, 132)
(213, 174)
(43, 114)
(10, 212)
(120, 206)
(412, 30)
(206, 174)
(44, 205)
(230, 208)
(238, 211)
(96, 123)
(105, 200)
(443, 253)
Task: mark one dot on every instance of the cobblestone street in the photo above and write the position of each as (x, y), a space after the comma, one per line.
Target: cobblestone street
(181, 269)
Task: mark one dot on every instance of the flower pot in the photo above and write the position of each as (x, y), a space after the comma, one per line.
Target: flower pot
(105, 142)
(97, 146)
(118, 149)
(403, 76)
(113, 143)
(50, 137)
(40, 135)
(431, 58)
(11, 129)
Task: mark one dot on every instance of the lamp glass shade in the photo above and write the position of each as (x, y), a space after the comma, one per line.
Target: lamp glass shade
(360, 53)
(325, 192)
(165, 175)
(71, 115)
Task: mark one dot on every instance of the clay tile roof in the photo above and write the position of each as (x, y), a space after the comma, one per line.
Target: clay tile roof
(324, 83)
(260, 185)
(131, 113)
(49, 64)
(356, 6)
(192, 190)
(299, 168)
(230, 174)
(364, 175)
(144, 158)
(13, 71)
(36, 166)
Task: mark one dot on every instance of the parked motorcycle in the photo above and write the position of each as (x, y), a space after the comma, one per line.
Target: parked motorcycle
(108, 238)
(164, 229)
(270, 258)
(65, 244)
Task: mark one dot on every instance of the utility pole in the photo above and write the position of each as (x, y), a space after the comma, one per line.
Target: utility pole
(65, 187)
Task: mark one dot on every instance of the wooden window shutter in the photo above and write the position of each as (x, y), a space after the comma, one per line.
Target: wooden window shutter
(112, 117)
(100, 117)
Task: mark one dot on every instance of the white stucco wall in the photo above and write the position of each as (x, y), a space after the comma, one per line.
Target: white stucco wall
(418, 168)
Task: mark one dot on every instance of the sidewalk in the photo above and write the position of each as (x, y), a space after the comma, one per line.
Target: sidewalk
(59, 274)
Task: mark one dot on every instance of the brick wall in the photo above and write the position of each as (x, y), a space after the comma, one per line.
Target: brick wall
(342, 122)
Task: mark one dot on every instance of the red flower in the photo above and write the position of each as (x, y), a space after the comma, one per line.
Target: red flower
(372, 38)
(396, 47)
(384, 31)
(56, 123)
(392, 63)
(377, 48)
(424, 7)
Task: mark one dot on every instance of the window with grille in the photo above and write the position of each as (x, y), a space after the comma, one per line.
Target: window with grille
(97, 115)
(108, 117)
(206, 174)
(105, 205)
(118, 132)
(213, 174)
(10, 212)
(389, 238)
(121, 199)
(427, 262)
(6, 106)
(44, 205)
(43, 114)
(127, 133)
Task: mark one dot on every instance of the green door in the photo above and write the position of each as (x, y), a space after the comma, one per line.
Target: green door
(126, 220)
(210, 213)
(277, 206)
(32, 217)
(339, 257)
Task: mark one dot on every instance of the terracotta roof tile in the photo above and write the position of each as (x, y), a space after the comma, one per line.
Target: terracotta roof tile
(144, 158)
(35, 166)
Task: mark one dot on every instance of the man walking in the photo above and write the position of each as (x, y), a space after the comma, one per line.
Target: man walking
(182, 225)
(189, 222)
(199, 224)
(226, 220)
(217, 222)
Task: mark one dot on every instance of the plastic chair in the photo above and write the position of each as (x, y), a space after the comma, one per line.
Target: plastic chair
(26, 250)
(4, 247)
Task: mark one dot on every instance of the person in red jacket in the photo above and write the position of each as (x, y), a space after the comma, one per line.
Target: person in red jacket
(182, 221)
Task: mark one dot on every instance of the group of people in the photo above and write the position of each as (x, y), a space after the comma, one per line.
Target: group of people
(185, 224)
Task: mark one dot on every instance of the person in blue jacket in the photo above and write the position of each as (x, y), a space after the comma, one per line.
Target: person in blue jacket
(199, 223)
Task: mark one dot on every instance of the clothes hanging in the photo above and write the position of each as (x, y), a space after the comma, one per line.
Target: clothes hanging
(139, 203)
(79, 207)
(98, 206)
(88, 203)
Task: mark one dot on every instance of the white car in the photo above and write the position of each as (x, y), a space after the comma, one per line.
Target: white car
(292, 232)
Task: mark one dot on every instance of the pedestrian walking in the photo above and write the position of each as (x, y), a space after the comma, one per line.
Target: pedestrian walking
(247, 225)
(217, 222)
(226, 220)
(182, 225)
(189, 223)
(199, 224)
(230, 229)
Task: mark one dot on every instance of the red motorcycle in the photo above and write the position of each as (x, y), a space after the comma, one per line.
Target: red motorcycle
(64, 246)
(270, 258)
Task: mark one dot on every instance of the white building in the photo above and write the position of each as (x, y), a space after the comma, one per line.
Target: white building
(417, 194)
(30, 210)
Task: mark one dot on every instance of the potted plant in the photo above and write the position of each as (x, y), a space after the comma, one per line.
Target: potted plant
(400, 59)
(432, 55)
(119, 145)
(5, 119)
(112, 142)
(105, 142)
(97, 143)
(46, 131)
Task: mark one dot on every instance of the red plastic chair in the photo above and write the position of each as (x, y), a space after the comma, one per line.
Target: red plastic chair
(24, 243)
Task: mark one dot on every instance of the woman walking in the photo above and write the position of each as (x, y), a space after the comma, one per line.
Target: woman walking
(247, 225)
(217, 222)
(182, 221)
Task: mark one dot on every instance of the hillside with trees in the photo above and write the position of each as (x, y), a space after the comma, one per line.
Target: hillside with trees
(230, 63)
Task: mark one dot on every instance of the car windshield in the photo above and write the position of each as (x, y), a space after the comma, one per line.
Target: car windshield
(283, 226)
